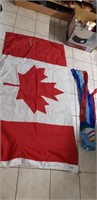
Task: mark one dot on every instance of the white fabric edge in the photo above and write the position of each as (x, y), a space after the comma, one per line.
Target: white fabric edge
(39, 164)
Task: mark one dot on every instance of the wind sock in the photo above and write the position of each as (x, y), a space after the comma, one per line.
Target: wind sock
(87, 110)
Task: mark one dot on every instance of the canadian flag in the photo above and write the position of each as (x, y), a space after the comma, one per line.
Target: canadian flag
(36, 120)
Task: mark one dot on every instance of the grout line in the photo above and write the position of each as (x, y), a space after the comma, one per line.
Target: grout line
(32, 18)
(17, 183)
(15, 18)
(14, 5)
(88, 172)
(79, 187)
(50, 186)
(78, 157)
(14, 22)
(6, 25)
(54, 30)
(73, 55)
(51, 25)
(77, 138)
(21, 15)
(78, 60)
(92, 73)
(1, 40)
(8, 11)
(35, 23)
(23, 30)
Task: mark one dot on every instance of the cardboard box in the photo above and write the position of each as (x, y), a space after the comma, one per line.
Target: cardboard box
(78, 35)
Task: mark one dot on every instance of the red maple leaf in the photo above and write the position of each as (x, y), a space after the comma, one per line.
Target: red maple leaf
(31, 89)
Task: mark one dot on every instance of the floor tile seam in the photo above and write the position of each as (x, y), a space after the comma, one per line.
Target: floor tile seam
(35, 23)
(79, 187)
(80, 60)
(52, 37)
(9, 11)
(60, 26)
(5, 9)
(42, 35)
(54, 30)
(87, 172)
(32, 18)
(43, 21)
(5, 24)
(92, 72)
(15, 20)
(23, 30)
(2, 40)
(17, 183)
(50, 186)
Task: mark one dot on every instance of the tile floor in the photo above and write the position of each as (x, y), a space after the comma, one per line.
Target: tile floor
(29, 184)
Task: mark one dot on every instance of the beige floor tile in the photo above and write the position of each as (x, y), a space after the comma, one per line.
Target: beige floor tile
(94, 69)
(60, 23)
(51, 39)
(33, 184)
(76, 127)
(43, 18)
(68, 52)
(4, 29)
(84, 66)
(27, 13)
(91, 85)
(42, 28)
(94, 57)
(95, 86)
(87, 160)
(58, 41)
(57, 22)
(8, 180)
(52, 21)
(41, 36)
(63, 24)
(75, 88)
(21, 31)
(7, 18)
(72, 82)
(77, 106)
(72, 96)
(81, 55)
(60, 34)
(25, 23)
(9, 6)
(51, 31)
(88, 186)
(1, 45)
(69, 64)
(64, 185)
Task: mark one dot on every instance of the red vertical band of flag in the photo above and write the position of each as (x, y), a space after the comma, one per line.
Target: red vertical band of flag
(37, 141)
(34, 48)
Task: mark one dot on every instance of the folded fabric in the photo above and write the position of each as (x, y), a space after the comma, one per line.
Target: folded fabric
(87, 110)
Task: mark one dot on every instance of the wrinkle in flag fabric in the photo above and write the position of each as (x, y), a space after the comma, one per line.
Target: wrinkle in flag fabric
(87, 110)
(36, 119)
